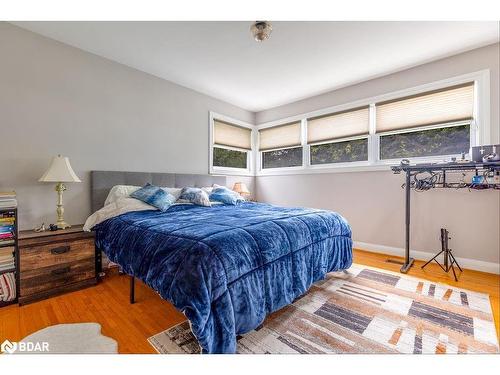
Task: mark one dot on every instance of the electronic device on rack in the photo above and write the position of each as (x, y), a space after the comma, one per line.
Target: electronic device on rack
(486, 153)
(452, 175)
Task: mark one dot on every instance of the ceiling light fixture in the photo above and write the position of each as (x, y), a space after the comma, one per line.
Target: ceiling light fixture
(261, 30)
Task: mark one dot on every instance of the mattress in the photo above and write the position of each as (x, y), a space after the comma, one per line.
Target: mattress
(227, 267)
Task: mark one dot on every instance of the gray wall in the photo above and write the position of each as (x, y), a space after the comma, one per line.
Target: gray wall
(373, 201)
(58, 99)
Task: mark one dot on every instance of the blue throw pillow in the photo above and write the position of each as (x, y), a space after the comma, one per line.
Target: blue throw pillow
(196, 196)
(154, 196)
(224, 195)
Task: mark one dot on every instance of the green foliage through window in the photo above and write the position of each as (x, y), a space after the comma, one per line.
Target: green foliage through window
(340, 152)
(224, 157)
(288, 157)
(433, 142)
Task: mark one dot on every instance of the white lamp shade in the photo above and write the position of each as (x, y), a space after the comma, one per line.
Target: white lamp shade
(241, 188)
(60, 171)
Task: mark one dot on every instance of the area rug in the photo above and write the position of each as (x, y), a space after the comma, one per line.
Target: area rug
(365, 310)
(78, 338)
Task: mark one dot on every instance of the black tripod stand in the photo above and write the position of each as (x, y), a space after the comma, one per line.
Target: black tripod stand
(449, 259)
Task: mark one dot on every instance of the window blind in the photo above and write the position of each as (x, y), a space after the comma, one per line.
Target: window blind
(281, 136)
(436, 107)
(338, 125)
(226, 134)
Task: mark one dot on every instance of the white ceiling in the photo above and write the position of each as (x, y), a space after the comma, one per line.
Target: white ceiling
(301, 59)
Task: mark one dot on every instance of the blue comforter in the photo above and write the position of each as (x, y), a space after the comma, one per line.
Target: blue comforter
(227, 267)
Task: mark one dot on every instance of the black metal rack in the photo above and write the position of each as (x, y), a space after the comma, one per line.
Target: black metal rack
(438, 177)
(16, 254)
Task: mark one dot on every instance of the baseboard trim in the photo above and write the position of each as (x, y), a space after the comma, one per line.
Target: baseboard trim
(472, 264)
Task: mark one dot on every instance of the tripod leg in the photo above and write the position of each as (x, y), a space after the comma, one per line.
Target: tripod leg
(454, 274)
(455, 261)
(433, 258)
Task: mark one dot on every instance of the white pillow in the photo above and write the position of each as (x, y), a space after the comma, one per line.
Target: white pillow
(209, 189)
(176, 192)
(120, 191)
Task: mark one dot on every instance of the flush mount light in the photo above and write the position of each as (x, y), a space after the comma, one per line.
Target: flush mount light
(261, 30)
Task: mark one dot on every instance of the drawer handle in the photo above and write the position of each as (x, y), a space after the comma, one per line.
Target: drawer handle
(59, 250)
(61, 271)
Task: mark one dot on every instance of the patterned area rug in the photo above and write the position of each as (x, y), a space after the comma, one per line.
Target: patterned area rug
(366, 310)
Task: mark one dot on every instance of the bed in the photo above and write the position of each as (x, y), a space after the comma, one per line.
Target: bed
(225, 267)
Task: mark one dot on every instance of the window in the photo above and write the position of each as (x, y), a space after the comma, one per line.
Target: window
(281, 146)
(283, 158)
(340, 137)
(450, 140)
(224, 157)
(339, 152)
(432, 122)
(231, 145)
(435, 123)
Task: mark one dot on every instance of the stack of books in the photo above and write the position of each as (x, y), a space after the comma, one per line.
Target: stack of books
(8, 199)
(7, 229)
(7, 258)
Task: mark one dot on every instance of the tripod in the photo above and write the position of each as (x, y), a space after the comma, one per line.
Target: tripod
(449, 259)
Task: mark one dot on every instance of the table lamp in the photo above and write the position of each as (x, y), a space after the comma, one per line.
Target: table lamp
(241, 189)
(60, 171)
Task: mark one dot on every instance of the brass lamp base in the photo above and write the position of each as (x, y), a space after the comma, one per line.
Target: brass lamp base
(61, 224)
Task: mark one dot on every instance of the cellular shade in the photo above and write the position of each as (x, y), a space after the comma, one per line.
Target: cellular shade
(436, 107)
(281, 136)
(226, 134)
(338, 125)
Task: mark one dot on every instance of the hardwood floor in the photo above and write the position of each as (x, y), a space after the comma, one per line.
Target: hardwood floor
(131, 325)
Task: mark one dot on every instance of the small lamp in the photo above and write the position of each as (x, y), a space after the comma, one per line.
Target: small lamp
(241, 189)
(60, 171)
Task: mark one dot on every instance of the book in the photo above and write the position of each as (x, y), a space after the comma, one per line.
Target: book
(7, 263)
(7, 194)
(8, 203)
(8, 250)
(6, 256)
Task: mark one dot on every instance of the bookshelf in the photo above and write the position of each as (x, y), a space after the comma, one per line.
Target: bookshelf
(8, 218)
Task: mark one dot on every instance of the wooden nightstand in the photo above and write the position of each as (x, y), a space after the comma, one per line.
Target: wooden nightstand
(56, 262)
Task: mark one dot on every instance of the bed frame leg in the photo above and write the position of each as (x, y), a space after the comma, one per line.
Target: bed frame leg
(132, 289)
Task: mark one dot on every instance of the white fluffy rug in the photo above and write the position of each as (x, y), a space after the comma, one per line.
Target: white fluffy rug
(79, 338)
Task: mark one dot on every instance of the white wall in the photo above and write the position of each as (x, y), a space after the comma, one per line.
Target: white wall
(105, 116)
(373, 202)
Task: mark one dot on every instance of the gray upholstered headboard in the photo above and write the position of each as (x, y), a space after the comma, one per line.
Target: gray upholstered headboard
(103, 181)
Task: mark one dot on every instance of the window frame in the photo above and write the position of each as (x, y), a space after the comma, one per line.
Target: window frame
(249, 170)
(480, 130)
(258, 153)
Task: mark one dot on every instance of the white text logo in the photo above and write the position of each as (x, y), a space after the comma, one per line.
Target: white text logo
(30, 347)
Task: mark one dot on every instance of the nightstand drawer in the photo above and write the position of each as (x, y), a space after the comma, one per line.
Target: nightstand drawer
(54, 276)
(35, 257)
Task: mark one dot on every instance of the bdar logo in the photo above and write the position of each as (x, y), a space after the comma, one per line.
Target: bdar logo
(8, 347)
